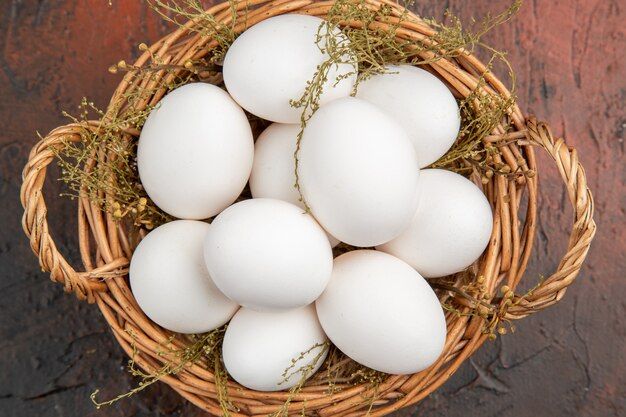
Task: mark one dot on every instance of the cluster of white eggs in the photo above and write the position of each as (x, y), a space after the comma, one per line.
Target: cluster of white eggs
(265, 264)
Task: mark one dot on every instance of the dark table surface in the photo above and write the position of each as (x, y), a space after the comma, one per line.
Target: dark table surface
(569, 360)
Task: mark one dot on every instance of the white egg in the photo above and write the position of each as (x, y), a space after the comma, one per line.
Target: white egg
(270, 64)
(195, 152)
(380, 312)
(421, 103)
(273, 170)
(268, 254)
(170, 281)
(358, 172)
(451, 227)
(259, 347)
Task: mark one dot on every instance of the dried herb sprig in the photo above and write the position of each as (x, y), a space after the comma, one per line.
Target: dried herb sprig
(221, 382)
(304, 370)
(207, 344)
(372, 41)
(482, 111)
(113, 182)
(477, 302)
(181, 12)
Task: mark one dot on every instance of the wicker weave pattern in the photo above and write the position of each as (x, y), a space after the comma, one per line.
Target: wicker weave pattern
(105, 246)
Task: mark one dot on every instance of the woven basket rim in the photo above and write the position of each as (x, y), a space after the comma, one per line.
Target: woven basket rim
(105, 248)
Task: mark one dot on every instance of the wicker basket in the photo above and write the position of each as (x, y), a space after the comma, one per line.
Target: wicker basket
(104, 280)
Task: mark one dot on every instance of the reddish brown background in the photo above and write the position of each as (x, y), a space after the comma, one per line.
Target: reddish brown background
(570, 360)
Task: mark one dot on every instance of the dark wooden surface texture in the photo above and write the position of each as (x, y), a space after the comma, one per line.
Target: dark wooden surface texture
(567, 361)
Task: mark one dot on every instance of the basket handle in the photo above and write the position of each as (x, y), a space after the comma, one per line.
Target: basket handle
(552, 289)
(35, 223)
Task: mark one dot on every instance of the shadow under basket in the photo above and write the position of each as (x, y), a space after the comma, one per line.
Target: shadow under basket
(105, 244)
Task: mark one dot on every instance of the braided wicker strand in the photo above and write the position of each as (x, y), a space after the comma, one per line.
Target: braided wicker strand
(105, 245)
(35, 224)
(553, 288)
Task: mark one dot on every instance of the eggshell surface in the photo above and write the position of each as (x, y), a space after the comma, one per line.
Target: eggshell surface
(268, 254)
(259, 347)
(450, 229)
(421, 103)
(358, 173)
(170, 281)
(380, 312)
(195, 152)
(270, 64)
(273, 171)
